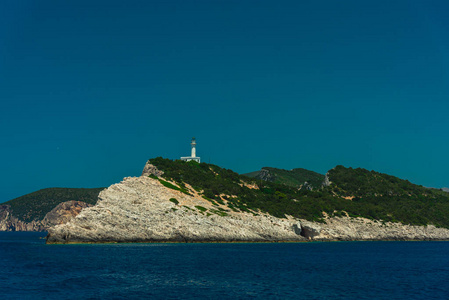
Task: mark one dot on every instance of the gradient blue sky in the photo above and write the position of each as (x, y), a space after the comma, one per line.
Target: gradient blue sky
(90, 90)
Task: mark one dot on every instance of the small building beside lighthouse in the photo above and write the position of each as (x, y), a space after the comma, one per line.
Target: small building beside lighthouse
(193, 155)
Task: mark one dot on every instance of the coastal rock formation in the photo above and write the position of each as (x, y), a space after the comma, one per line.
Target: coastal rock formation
(149, 169)
(61, 214)
(141, 209)
(362, 229)
(8, 222)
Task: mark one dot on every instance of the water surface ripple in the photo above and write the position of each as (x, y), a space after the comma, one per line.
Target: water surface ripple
(334, 270)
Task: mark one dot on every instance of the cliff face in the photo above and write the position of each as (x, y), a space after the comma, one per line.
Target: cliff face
(149, 169)
(139, 209)
(361, 229)
(8, 222)
(61, 214)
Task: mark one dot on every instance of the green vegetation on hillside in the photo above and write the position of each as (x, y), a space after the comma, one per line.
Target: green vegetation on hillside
(252, 174)
(174, 200)
(173, 187)
(219, 185)
(36, 205)
(389, 198)
(295, 178)
(357, 192)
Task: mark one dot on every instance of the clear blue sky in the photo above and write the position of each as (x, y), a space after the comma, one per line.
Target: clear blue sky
(90, 90)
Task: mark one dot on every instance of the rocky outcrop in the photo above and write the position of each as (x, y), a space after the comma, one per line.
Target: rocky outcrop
(141, 209)
(445, 189)
(266, 175)
(326, 181)
(61, 214)
(8, 222)
(306, 186)
(361, 229)
(149, 169)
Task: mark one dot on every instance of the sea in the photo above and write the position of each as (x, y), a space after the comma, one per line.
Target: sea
(30, 269)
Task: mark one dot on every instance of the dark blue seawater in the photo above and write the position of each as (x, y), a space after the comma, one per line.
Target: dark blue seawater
(29, 269)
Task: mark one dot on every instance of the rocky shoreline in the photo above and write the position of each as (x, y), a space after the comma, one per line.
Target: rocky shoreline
(141, 209)
(9, 222)
(362, 229)
(61, 214)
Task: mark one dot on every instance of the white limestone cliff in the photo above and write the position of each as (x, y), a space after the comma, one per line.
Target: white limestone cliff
(362, 229)
(141, 209)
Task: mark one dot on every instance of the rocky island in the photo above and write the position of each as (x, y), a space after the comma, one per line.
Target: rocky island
(178, 201)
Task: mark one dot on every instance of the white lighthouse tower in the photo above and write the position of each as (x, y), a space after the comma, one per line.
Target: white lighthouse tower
(193, 155)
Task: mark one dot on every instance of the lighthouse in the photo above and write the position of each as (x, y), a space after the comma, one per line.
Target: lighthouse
(193, 154)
